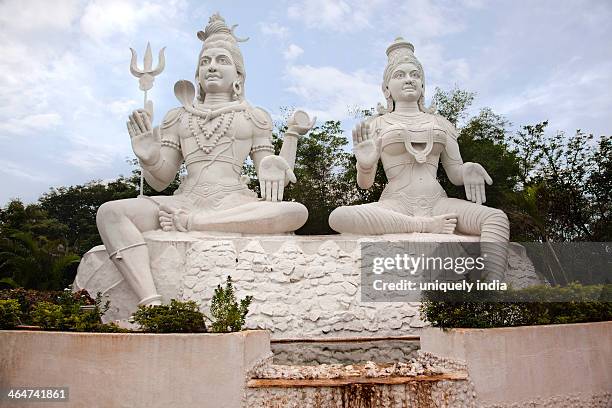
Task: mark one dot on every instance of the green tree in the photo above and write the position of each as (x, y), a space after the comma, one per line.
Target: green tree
(34, 252)
(321, 165)
(453, 104)
(36, 262)
(32, 219)
(567, 183)
(76, 207)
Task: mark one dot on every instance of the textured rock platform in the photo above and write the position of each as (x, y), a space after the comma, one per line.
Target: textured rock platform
(302, 286)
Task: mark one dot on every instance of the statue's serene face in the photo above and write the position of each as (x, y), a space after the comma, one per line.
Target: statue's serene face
(406, 83)
(217, 70)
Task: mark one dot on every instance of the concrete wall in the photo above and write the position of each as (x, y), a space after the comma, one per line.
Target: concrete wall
(133, 370)
(557, 365)
(302, 286)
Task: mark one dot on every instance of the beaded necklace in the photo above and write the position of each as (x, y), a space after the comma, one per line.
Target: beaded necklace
(197, 127)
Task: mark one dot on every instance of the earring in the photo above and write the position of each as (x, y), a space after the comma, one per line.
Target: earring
(237, 89)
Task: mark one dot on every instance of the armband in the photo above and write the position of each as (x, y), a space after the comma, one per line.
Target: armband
(262, 148)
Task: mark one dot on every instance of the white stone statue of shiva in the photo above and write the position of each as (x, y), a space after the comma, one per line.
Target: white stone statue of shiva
(212, 133)
(410, 141)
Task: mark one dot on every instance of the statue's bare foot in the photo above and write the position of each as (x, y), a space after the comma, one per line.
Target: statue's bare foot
(442, 224)
(172, 219)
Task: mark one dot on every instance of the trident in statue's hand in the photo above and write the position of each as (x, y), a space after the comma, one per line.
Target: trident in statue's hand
(146, 77)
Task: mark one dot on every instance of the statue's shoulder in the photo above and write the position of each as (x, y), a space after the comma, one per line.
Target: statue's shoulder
(387, 123)
(376, 122)
(260, 117)
(172, 117)
(445, 125)
(383, 124)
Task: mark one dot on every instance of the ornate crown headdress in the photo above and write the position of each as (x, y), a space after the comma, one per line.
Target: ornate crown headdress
(217, 29)
(400, 49)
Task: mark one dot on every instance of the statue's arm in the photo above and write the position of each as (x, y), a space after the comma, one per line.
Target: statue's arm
(262, 136)
(451, 156)
(367, 149)
(289, 147)
(452, 162)
(297, 125)
(365, 177)
(470, 175)
(161, 173)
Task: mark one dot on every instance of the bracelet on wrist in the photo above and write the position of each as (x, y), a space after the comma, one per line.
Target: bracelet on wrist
(153, 167)
(293, 133)
(362, 169)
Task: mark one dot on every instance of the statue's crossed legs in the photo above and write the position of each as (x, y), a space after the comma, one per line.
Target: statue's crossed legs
(122, 224)
(447, 213)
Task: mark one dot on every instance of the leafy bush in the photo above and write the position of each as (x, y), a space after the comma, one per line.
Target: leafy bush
(531, 306)
(61, 310)
(177, 317)
(27, 298)
(10, 313)
(49, 316)
(228, 315)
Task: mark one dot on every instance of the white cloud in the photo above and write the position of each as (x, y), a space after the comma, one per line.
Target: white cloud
(421, 20)
(329, 93)
(30, 124)
(274, 30)
(334, 15)
(292, 52)
(103, 19)
(121, 108)
(14, 169)
(567, 95)
(38, 15)
(417, 19)
(90, 155)
(474, 4)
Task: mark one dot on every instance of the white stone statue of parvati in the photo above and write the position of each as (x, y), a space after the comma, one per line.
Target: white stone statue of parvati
(213, 132)
(411, 141)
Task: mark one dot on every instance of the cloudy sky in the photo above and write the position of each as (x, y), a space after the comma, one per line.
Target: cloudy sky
(66, 90)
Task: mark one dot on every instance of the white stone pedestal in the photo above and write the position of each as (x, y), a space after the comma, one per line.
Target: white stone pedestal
(302, 286)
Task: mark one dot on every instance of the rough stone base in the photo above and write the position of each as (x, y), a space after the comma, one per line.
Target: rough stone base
(302, 286)
(389, 351)
(426, 381)
(422, 394)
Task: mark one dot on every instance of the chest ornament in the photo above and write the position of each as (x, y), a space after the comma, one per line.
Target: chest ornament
(420, 136)
(206, 139)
